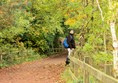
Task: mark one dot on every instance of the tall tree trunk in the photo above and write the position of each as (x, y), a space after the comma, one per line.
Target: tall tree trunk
(115, 51)
(115, 43)
(102, 17)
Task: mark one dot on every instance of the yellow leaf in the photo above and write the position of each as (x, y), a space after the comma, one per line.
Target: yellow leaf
(70, 21)
(72, 0)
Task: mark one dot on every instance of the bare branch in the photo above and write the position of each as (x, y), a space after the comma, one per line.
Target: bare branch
(100, 10)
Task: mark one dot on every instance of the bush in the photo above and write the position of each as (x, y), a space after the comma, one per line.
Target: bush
(15, 55)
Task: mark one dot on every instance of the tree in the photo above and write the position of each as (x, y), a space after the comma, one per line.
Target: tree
(48, 16)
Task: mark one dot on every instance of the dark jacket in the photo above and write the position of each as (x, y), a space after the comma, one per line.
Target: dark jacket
(71, 41)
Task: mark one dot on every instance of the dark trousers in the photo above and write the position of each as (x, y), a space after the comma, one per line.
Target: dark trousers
(67, 61)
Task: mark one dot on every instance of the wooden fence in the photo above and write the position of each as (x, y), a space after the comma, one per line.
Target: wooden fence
(56, 50)
(88, 71)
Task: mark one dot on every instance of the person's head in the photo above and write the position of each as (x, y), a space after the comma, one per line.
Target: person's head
(71, 32)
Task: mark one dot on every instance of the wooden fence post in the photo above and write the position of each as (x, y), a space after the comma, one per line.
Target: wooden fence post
(1, 58)
(108, 69)
(97, 81)
(75, 69)
(86, 74)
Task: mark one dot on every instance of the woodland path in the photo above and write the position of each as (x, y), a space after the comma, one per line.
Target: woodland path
(47, 70)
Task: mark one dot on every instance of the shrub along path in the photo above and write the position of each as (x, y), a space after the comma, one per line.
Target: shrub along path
(47, 70)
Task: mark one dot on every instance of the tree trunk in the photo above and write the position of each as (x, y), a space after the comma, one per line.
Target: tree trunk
(115, 51)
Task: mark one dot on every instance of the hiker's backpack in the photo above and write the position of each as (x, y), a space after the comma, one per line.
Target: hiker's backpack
(65, 44)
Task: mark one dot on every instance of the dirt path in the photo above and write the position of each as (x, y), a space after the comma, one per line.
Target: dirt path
(44, 71)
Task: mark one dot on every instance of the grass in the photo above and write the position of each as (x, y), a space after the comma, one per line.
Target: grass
(67, 77)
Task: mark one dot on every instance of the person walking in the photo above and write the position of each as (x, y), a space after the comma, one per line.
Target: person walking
(71, 43)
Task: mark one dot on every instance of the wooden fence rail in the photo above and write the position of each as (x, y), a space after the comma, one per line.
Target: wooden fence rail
(56, 50)
(89, 70)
